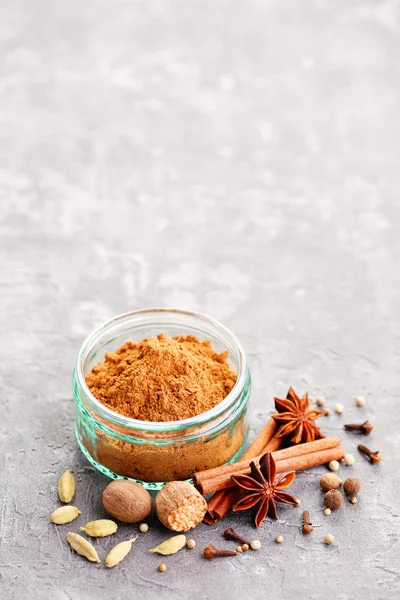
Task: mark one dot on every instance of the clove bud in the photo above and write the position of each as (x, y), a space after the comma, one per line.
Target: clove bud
(231, 534)
(364, 428)
(211, 552)
(307, 525)
(374, 457)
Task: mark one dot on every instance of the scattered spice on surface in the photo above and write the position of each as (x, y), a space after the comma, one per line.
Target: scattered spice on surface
(334, 465)
(351, 486)
(231, 534)
(118, 553)
(364, 428)
(279, 539)
(191, 544)
(211, 552)
(349, 460)
(143, 528)
(330, 481)
(374, 457)
(239, 549)
(162, 379)
(66, 487)
(296, 418)
(245, 547)
(360, 401)
(162, 568)
(100, 528)
(353, 500)
(170, 546)
(320, 401)
(329, 539)
(333, 499)
(179, 506)
(127, 501)
(64, 514)
(338, 408)
(255, 545)
(327, 412)
(307, 525)
(82, 547)
(261, 491)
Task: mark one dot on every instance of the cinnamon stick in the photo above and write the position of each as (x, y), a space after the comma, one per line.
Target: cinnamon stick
(297, 457)
(222, 501)
(262, 439)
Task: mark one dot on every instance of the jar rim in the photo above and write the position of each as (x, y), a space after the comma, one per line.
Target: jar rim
(159, 426)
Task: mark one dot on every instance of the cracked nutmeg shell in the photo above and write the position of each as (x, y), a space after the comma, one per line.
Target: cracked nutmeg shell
(180, 506)
(127, 501)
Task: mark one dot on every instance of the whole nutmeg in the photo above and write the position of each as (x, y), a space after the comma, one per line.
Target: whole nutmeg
(330, 481)
(127, 501)
(333, 499)
(351, 486)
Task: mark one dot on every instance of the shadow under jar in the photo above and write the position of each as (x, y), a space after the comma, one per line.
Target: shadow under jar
(155, 452)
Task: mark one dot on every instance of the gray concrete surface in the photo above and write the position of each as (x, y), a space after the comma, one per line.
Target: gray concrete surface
(236, 158)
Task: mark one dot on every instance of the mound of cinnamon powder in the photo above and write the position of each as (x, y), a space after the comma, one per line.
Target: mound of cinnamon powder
(162, 379)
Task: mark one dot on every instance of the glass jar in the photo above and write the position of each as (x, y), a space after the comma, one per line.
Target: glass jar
(155, 452)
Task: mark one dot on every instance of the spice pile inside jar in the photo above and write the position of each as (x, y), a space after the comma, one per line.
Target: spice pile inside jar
(162, 379)
(290, 441)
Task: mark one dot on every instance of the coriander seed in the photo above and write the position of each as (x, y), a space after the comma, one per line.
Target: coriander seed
(353, 500)
(320, 401)
(360, 401)
(162, 568)
(298, 501)
(279, 539)
(349, 460)
(329, 538)
(239, 549)
(245, 547)
(327, 512)
(339, 408)
(327, 412)
(255, 545)
(143, 527)
(334, 465)
(191, 544)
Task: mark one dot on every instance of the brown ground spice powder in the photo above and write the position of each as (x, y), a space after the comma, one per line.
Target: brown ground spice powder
(162, 379)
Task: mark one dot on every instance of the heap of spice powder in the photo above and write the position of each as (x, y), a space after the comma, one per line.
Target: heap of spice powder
(162, 379)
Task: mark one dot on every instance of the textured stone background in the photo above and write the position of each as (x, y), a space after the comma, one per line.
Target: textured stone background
(236, 158)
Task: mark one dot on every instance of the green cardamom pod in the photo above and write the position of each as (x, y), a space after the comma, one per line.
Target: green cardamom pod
(64, 514)
(118, 553)
(100, 528)
(171, 546)
(66, 487)
(82, 547)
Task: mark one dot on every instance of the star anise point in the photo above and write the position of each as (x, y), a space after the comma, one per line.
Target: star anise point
(261, 490)
(295, 418)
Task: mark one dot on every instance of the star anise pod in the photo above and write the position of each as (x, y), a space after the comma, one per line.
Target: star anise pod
(261, 491)
(295, 419)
